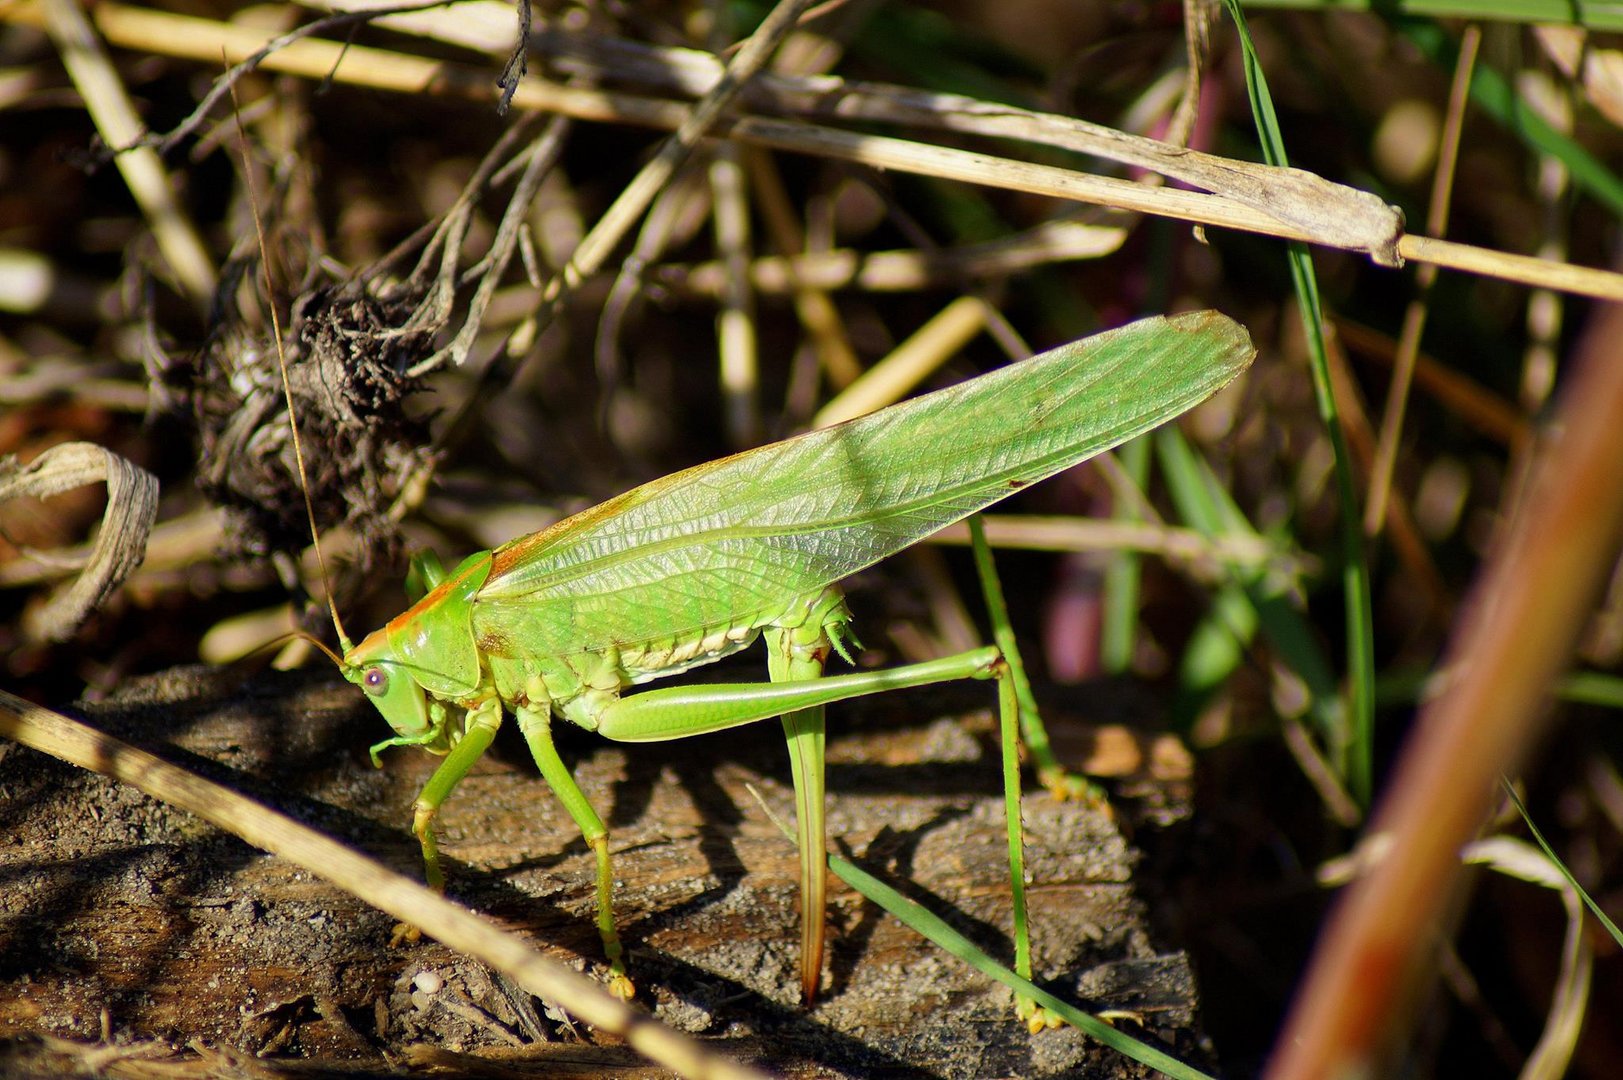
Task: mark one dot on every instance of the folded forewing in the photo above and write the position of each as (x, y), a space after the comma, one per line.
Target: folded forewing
(737, 540)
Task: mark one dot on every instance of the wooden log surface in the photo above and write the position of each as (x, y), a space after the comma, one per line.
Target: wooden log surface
(139, 941)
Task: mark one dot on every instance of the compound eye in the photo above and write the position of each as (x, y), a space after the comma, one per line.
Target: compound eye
(375, 681)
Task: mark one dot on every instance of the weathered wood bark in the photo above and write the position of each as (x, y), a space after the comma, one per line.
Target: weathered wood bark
(120, 917)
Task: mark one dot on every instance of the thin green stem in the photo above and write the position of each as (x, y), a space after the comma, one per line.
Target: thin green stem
(1355, 754)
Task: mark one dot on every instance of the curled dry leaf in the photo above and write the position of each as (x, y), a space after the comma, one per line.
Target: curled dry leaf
(132, 506)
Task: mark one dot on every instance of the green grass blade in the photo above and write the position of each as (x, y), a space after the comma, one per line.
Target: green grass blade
(1602, 16)
(1253, 601)
(1218, 644)
(1549, 853)
(1405, 688)
(1354, 570)
(1213, 652)
(1490, 91)
(938, 931)
(1119, 631)
(1592, 688)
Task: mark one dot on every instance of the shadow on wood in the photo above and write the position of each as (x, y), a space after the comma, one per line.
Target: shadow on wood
(131, 930)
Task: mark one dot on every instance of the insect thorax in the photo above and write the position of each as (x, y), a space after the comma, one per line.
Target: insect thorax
(577, 683)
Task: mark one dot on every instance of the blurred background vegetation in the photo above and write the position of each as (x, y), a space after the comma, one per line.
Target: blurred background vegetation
(1227, 670)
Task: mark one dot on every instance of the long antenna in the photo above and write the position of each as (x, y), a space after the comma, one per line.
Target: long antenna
(281, 366)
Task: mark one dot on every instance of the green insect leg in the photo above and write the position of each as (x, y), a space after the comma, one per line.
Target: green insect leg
(675, 712)
(426, 571)
(797, 655)
(1009, 731)
(1036, 1018)
(480, 729)
(1020, 722)
(536, 724)
(1059, 781)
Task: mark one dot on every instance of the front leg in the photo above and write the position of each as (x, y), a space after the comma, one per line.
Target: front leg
(479, 730)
